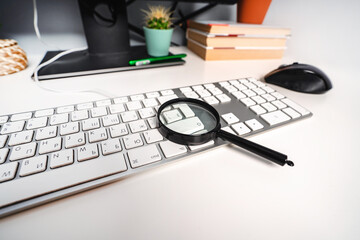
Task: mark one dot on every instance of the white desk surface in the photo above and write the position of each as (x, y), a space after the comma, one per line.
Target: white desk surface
(221, 194)
(224, 193)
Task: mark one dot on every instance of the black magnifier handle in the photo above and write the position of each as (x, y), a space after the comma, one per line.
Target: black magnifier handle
(262, 151)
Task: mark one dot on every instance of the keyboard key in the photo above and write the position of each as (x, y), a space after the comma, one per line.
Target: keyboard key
(185, 89)
(152, 136)
(21, 116)
(268, 97)
(11, 127)
(79, 115)
(215, 91)
(84, 106)
(50, 145)
(121, 100)
(198, 87)
(69, 128)
(172, 115)
(258, 91)
(225, 83)
(249, 93)
(33, 165)
(133, 105)
(268, 89)
(118, 130)
(230, 118)
(49, 181)
(116, 108)
(98, 112)
(61, 158)
(132, 141)
(152, 122)
(291, 112)
(97, 135)
(166, 98)
(276, 117)
(59, 119)
(258, 109)
(197, 147)
(75, 140)
(129, 116)
(36, 123)
(3, 154)
(203, 93)
(238, 95)
(110, 146)
(147, 112)
(231, 88)
(102, 103)
(258, 99)
(3, 119)
(3, 139)
(110, 120)
(152, 95)
(138, 126)
(247, 102)
(7, 172)
(269, 107)
(254, 124)
(277, 95)
(187, 126)
(211, 100)
(240, 128)
(143, 156)
(21, 137)
(191, 95)
(23, 151)
(167, 92)
(65, 109)
(295, 106)
(44, 113)
(171, 149)
(150, 102)
(223, 98)
(137, 97)
(90, 124)
(209, 86)
(279, 104)
(87, 152)
(46, 132)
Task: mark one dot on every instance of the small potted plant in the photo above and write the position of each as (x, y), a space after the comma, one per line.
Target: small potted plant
(158, 30)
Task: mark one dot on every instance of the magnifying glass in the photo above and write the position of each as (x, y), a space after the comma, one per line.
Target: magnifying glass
(190, 121)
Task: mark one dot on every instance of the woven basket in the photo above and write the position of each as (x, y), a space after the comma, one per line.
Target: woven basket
(12, 58)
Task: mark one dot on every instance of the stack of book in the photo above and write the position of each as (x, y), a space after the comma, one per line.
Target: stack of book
(233, 41)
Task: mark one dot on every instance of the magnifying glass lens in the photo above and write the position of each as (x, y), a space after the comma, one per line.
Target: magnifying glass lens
(188, 118)
(194, 122)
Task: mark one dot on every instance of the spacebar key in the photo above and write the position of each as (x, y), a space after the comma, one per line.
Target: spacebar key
(60, 178)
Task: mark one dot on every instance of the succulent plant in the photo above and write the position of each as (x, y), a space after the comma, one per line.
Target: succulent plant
(158, 17)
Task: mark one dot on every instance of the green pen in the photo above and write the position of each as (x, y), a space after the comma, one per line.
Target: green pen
(155, 59)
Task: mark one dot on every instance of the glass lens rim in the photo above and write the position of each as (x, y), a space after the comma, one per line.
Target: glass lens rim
(190, 139)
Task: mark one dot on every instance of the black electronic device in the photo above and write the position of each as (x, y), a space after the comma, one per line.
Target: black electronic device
(300, 77)
(106, 30)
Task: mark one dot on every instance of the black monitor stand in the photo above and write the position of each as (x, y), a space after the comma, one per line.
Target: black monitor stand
(106, 29)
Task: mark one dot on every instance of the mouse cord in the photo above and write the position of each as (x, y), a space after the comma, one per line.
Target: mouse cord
(53, 59)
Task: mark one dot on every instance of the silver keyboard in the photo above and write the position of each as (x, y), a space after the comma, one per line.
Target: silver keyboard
(53, 153)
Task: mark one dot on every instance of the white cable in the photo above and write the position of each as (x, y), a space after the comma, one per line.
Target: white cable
(36, 78)
(56, 57)
(36, 27)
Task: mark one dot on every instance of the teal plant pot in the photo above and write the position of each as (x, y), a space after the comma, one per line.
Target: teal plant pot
(158, 41)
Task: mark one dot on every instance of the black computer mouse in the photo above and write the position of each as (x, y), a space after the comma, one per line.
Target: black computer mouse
(300, 77)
